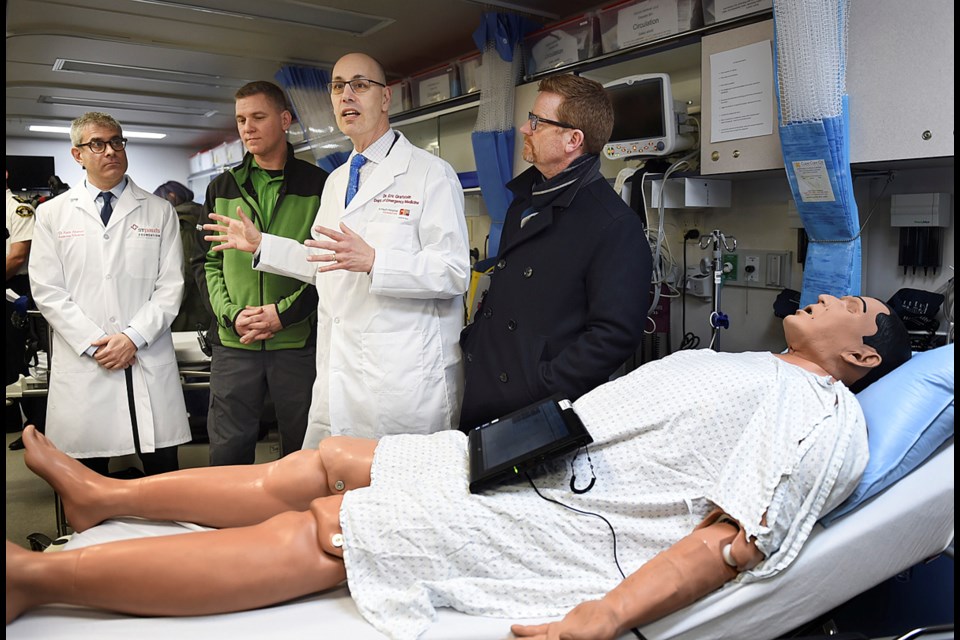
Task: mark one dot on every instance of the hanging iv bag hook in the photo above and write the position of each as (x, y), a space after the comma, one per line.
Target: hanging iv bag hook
(718, 320)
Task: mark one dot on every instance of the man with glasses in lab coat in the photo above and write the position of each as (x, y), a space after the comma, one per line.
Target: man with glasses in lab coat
(105, 271)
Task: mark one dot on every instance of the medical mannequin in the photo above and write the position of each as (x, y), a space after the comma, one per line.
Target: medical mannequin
(280, 534)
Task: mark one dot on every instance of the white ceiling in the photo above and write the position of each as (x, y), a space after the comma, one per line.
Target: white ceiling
(173, 67)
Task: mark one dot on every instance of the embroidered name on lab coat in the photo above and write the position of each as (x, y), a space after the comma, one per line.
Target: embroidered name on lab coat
(70, 233)
(395, 204)
(145, 232)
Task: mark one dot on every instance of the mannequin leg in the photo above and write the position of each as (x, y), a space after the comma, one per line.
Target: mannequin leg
(231, 496)
(186, 574)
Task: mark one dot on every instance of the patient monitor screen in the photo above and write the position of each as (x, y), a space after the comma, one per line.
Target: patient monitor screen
(638, 110)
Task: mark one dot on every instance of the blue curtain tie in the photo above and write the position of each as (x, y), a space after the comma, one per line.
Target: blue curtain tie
(353, 185)
(107, 208)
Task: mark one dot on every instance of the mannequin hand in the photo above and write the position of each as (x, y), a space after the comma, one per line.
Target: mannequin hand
(592, 620)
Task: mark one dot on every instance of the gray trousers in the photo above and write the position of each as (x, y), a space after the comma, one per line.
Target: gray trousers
(240, 383)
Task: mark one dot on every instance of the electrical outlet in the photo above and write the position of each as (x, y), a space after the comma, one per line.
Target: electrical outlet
(751, 269)
(757, 268)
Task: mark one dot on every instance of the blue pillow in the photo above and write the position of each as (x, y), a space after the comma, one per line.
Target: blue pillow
(909, 415)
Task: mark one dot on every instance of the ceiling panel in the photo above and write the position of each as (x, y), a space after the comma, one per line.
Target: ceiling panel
(187, 58)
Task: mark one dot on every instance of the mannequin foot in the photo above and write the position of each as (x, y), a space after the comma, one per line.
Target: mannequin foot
(17, 558)
(79, 488)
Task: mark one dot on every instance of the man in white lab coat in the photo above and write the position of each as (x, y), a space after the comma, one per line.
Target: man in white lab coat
(106, 273)
(394, 265)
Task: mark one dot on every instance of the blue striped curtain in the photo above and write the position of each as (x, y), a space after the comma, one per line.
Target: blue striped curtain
(307, 90)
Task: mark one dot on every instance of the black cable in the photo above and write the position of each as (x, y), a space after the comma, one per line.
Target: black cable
(689, 340)
(683, 292)
(616, 560)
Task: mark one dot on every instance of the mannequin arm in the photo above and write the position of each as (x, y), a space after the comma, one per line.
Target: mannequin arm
(690, 569)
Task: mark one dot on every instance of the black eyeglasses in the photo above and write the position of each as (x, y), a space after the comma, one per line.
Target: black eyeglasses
(535, 120)
(99, 146)
(359, 85)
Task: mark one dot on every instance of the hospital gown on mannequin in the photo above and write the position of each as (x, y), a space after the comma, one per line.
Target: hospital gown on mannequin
(759, 436)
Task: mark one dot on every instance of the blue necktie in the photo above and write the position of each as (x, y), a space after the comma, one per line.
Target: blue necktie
(107, 208)
(354, 184)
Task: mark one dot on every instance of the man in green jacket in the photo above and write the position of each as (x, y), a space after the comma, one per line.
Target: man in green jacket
(266, 324)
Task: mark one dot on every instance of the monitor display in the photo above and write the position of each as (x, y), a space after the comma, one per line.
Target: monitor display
(29, 173)
(645, 118)
(638, 110)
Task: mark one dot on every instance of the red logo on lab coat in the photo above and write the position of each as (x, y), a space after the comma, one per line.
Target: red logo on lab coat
(404, 212)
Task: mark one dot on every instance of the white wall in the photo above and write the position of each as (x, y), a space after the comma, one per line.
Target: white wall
(758, 220)
(150, 164)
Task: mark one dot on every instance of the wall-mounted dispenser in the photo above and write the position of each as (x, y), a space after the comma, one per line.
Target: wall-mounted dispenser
(921, 218)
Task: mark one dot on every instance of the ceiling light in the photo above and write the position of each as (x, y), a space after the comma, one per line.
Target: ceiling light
(146, 73)
(103, 104)
(149, 135)
(40, 128)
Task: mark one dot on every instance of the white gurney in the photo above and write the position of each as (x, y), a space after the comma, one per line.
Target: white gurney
(908, 523)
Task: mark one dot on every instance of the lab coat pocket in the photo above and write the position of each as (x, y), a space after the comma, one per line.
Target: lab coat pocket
(67, 359)
(143, 257)
(396, 234)
(392, 363)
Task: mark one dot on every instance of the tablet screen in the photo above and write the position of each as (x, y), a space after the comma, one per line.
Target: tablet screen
(521, 433)
(503, 449)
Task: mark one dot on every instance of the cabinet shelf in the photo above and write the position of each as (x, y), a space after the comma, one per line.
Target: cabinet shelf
(436, 109)
(659, 45)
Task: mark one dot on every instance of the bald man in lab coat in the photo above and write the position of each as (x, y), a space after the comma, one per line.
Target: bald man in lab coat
(394, 264)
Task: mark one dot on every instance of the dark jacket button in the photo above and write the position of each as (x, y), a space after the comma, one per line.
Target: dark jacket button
(528, 272)
(501, 264)
(512, 325)
(503, 377)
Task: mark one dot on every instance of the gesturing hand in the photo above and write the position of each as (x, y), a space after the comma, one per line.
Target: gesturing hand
(233, 233)
(348, 250)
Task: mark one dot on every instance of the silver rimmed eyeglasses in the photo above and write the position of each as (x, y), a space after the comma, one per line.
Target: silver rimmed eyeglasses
(357, 85)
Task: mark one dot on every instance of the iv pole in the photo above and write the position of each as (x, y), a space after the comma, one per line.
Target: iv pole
(718, 319)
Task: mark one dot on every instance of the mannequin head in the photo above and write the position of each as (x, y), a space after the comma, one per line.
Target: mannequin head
(855, 339)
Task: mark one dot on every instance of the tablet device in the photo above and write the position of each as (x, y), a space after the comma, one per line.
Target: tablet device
(503, 449)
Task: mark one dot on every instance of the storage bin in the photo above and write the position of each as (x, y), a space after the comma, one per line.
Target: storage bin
(631, 22)
(206, 160)
(435, 85)
(469, 67)
(715, 11)
(400, 98)
(235, 152)
(219, 155)
(561, 44)
(195, 164)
